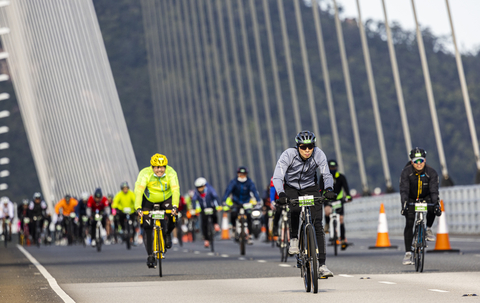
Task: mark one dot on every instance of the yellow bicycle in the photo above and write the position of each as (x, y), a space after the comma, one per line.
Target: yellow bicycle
(158, 242)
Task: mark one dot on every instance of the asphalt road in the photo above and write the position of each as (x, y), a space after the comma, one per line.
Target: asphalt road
(193, 274)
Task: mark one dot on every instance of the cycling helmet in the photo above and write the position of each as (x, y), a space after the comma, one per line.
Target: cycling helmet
(305, 137)
(242, 170)
(98, 193)
(25, 201)
(418, 152)
(37, 195)
(158, 160)
(4, 200)
(109, 196)
(124, 184)
(200, 182)
(332, 163)
(67, 196)
(84, 196)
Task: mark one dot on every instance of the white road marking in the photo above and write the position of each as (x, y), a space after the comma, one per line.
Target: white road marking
(211, 254)
(386, 282)
(284, 265)
(185, 250)
(51, 280)
(477, 255)
(438, 290)
(224, 256)
(346, 276)
(261, 261)
(241, 259)
(196, 252)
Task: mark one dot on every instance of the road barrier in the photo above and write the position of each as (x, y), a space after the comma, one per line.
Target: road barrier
(462, 205)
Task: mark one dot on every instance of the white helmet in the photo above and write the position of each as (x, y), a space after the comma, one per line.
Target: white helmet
(4, 200)
(200, 182)
(84, 196)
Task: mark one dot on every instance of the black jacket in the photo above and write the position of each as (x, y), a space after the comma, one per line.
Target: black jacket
(410, 181)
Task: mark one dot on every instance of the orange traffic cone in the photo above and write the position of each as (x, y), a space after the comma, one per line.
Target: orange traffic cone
(382, 231)
(443, 243)
(225, 228)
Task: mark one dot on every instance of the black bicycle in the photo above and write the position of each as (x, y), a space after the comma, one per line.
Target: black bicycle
(129, 231)
(209, 212)
(284, 234)
(307, 257)
(6, 230)
(419, 243)
(242, 226)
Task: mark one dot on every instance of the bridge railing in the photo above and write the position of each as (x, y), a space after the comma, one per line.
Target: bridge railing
(462, 208)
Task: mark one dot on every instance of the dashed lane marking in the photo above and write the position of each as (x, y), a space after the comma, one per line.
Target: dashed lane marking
(211, 254)
(438, 290)
(196, 252)
(51, 280)
(261, 261)
(241, 259)
(224, 256)
(386, 282)
(284, 265)
(346, 276)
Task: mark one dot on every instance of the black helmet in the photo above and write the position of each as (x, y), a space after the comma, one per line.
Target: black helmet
(418, 152)
(305, 137)
(242, 170)
(98, 193)
(332, 162)
(124, 184)
(67, 196)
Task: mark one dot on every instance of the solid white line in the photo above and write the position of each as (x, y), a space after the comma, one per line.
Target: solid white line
(438, 290)
(346, 276)
(285, 265)
(224, 256)
(386, 282)
(261, 261)
(51, 280)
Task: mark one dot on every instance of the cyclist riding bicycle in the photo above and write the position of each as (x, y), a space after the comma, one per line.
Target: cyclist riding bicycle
(240, 189)
(7, 212)
(418, 181)
(67, 204)
(22, 213)
(81, 211)
(38, 208)
(97, 202)
(125, 198)
(340, 187)
(206, 197)
(157, 184)
(296, 175)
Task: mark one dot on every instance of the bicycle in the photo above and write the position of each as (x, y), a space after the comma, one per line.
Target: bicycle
(307, 257)
(6, 230)
(129, 229)
(98, 230)
(24, 232)
(210, 230)
(37, 239)
(159, 249)
(284, 234)
(419, 243)
(242, 226)
(334, 226)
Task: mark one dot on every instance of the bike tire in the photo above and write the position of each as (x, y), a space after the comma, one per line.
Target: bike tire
(128, 233)
(415, 247)
(307, 278)
(284, 243)
(5, 235)
(335, 237)
(38, 239)
(161, 251)
(312, 257)
(99, 240)
(211, 236)
(180, 233)
(242, 237)
(421, 253)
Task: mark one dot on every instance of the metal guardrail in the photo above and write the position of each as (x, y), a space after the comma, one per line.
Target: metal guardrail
(462, 208)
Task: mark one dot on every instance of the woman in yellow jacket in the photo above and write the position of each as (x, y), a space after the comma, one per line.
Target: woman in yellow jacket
(157, 184)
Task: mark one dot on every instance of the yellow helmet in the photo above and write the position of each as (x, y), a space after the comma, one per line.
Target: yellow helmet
(158, 160)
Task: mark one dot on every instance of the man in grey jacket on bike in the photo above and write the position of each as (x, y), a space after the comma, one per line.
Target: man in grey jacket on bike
(296, 175)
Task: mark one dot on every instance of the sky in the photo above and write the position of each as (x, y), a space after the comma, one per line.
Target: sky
(430, 13)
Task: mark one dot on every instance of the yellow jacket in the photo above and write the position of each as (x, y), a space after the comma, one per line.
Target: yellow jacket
(157, 189)
(123, 200)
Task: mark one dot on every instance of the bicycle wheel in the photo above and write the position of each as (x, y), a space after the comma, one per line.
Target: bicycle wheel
(5, 234)
(128, 233)
(99, 239)
(160, 250)
(284, 243)
(335, 237)
(242, 236)
(421, 249)
(312, 257)
(307, 278)
(415, 247)
(211, 234)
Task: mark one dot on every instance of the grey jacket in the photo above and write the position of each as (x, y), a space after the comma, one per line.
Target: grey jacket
(300, 174)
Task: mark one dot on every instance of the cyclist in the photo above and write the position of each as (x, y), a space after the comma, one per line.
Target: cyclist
(274, 197)
(67, 204)
(206, 197)
(97, 202)
(22, 212)
(157, 184)
(296, 175)
(38, 208)
(340, 187)
(418, 181)
(125, 198)
(240, 189)
(7, 212)
(81, 211)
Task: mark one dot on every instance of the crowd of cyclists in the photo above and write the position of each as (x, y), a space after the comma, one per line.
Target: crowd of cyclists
(157, 187)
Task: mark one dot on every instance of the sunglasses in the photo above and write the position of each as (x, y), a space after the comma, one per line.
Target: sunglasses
(304, 147)
(419, 161)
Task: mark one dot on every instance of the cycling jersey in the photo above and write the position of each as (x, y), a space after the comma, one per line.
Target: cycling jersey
(157, 189)
(241, 191)
(67, 207)
(292, 170)
(122, 200)
(38, 209)
(273, 192)
(7, 211)
(418, 185)
(209, 198)
(94, 205)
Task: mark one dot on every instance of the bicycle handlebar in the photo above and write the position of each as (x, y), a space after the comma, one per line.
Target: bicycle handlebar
(147, 212)
(294, 202)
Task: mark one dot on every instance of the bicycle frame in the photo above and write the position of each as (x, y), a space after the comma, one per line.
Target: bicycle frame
(419, 235)
(210, 230)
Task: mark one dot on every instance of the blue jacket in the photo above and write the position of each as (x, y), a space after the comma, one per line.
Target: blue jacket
(81, 209)
(241, 191)
(211, 198)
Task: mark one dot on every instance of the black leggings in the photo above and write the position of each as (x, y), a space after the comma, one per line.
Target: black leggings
(317, 215)
(205, 223)
(148, 224)
(410, 218)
